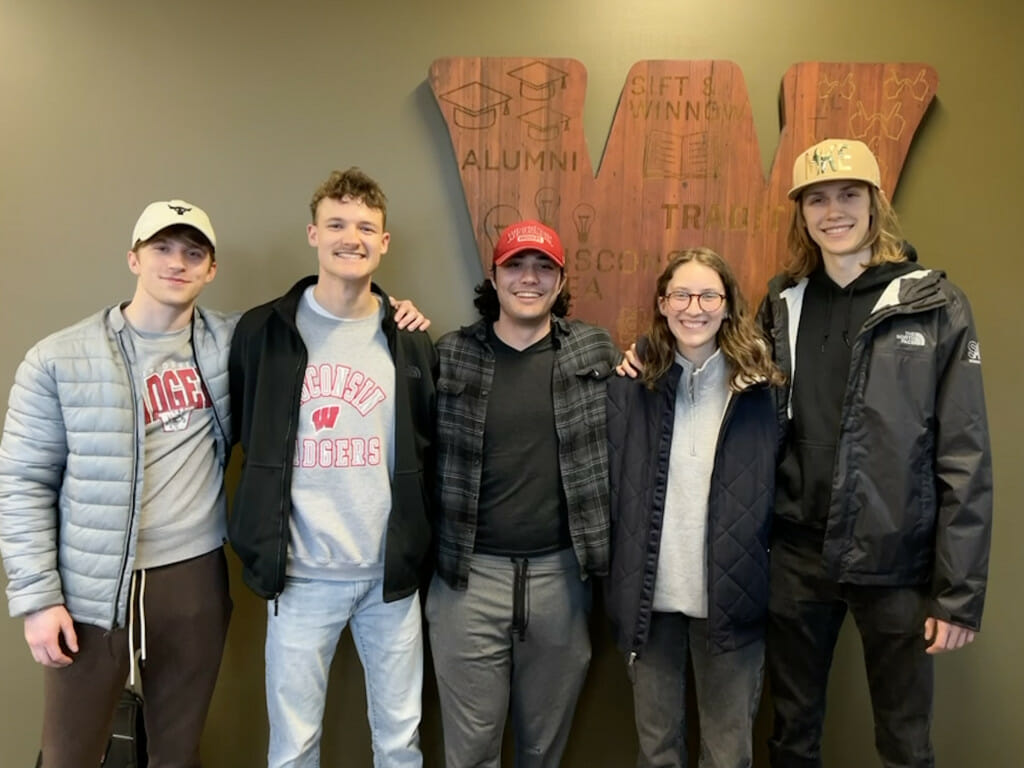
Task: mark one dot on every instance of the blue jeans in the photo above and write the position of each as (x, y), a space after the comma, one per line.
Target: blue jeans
(728, 687)
(301, 640)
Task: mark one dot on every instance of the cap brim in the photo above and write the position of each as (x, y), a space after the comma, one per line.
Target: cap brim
(531, 247)
(795, 191)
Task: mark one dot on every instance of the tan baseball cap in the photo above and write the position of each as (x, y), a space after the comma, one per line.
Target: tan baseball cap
(167, 213)
(835, 160)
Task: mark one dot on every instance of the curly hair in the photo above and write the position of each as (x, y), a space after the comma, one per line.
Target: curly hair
(354, 185)
(739, 337)
(883, 236)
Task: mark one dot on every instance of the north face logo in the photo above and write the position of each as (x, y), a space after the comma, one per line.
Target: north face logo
(911, 339)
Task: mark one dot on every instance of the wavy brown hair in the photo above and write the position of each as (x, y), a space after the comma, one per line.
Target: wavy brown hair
(739, 338)
(883, 236)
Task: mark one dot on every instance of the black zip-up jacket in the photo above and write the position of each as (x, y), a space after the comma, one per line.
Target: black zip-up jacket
(911, 491)
(830, 318)
(267, 365)
(640, 424)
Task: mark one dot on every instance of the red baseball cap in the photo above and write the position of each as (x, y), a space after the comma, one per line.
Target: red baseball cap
(528, 236)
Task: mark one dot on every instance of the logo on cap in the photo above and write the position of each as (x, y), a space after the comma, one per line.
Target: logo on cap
(528, 235)
(181, 210)
(830, 161)
(532, 237)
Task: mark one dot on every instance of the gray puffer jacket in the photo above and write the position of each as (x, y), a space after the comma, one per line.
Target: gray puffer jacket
(71, 464)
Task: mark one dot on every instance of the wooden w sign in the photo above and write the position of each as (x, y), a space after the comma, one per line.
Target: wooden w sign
(681, 167)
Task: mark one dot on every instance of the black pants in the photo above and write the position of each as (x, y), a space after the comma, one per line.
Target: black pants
(805, 614)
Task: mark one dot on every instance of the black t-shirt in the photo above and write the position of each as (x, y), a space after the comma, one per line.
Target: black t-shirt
(522, 509)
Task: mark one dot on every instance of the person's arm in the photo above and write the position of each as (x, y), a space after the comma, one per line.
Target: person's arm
(963, 474)
(33, 454)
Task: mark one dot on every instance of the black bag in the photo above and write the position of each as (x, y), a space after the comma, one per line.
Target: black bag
(127, 747)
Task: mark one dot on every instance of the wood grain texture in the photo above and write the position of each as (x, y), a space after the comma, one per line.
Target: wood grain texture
(681, 167)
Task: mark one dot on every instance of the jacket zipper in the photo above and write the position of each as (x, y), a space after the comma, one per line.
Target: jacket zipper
(135, 469)
(856, 361)
(670, 420)
(291, 434)
(213, 402)
(691, 389)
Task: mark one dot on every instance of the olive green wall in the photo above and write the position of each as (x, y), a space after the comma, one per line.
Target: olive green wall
(244, 107)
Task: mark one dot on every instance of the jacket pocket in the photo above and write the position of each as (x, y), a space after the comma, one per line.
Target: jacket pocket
(257, 527)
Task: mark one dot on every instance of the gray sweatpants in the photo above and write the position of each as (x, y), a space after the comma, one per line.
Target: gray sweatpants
(518, 635)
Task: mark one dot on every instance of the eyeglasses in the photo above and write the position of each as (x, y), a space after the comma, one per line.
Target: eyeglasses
(709, 301)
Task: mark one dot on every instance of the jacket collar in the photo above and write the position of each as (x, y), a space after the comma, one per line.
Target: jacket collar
(117, 321)
(288, 305)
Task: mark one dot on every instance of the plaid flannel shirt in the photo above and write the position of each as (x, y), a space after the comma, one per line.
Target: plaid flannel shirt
(584, 358)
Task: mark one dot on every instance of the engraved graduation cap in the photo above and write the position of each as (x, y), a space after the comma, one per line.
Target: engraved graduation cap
(545, 123)
(537, 80)
(476, 105)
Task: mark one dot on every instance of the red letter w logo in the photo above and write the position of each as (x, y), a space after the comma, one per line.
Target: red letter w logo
(325, 418)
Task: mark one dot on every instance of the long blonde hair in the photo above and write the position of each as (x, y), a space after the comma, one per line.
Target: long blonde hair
(883, 236)
(739, 338)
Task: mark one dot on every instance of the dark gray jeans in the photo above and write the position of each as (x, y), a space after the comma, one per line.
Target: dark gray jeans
(493, 650)
(806, 611)
(728, 688)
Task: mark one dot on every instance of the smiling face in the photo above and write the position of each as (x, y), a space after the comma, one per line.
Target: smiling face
(527, 285)
(837, 215)
(349, 238)
(695, 329)
(171, 273)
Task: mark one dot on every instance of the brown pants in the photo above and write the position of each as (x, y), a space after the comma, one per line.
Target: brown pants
(187, 608)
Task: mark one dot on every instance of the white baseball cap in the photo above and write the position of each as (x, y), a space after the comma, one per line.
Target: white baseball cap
(167, 213)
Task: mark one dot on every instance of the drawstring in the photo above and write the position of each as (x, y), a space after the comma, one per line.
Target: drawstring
(133, 663)
(142, 613)
(520, 598)
(849, 314)
(848, 292)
